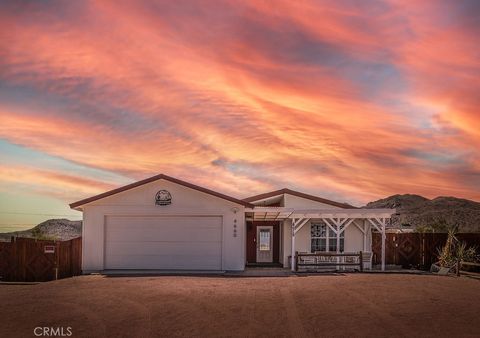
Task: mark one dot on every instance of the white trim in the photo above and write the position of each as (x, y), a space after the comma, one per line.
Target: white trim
(292, 263)
(374, 224)
(365, 237)
(330, 226)
(303, 222)
(83, 242)
(362, 229)
(347, 224)
(279, 213)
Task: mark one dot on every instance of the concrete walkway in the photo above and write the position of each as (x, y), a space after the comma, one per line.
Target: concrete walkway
(286, 272)
(261, 272)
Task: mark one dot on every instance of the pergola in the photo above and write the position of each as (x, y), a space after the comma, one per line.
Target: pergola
(336, 219)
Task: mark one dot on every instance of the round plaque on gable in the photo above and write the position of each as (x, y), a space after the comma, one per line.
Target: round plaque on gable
(163, 197)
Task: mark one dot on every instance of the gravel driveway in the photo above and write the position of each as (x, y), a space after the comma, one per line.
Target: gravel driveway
(355, 305)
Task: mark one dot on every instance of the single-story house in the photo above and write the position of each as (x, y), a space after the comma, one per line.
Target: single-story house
(163, 223)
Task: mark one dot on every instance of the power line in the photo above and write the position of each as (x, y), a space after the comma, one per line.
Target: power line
(33, 214)
(6, 225)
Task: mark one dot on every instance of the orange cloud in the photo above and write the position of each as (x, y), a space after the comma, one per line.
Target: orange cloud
(361, 103)
(55, 184)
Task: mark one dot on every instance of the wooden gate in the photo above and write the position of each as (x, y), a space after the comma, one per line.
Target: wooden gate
(30, 260)
(399, 249)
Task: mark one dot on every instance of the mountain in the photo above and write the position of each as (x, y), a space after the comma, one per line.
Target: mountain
(58, 229)
(438, 214)
(413, 212)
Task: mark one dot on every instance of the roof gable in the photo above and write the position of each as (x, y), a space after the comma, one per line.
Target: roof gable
(156, 178)
(298, 194)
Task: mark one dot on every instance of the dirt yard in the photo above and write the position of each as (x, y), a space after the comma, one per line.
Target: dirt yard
(354, 305)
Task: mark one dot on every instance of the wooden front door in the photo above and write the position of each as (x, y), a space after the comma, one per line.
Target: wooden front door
(254, 255)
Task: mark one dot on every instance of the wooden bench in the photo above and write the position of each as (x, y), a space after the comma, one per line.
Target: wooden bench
(328, 259)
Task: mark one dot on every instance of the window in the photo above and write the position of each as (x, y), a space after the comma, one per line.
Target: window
(319, 237)
(321, 234)
(264, 240)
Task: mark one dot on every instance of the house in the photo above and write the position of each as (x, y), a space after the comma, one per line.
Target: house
(163, 223)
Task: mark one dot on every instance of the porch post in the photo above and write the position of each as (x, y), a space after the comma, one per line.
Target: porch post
(293, 245)
(383, 244)
(338, 259)
(338, 235)
(365, 236)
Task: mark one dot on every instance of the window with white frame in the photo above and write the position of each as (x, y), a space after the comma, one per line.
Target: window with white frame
(321, 235)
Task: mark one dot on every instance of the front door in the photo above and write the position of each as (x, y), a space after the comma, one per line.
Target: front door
(264, 244)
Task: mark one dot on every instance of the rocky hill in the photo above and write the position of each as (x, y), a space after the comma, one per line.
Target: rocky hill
(439, 214)
(413, 212)
(58, 229)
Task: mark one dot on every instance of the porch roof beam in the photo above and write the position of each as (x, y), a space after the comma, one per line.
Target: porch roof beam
(276, 217)
(300, 224)
(343, 214)
(359, 227)
(347, 224)
(327, 222)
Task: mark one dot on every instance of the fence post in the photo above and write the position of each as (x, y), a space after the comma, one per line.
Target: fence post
(395, 249)
(70, 250)
(14, 260)
(423, 253)
(22, 262)
(458, 267)
(57, 258)
(360, 258)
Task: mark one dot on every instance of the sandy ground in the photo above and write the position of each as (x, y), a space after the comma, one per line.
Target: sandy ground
(353, 305)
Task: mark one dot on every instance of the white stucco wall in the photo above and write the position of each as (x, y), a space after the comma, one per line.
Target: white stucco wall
(296, 202)
(140, 201)
(354, 240)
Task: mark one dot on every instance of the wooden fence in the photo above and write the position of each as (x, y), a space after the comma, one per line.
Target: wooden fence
(30, 260)
(415, 250)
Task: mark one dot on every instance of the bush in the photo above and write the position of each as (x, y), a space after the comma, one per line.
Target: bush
(38, 234)
(454, 251)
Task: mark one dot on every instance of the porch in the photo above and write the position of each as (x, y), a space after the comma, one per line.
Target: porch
(342, 231)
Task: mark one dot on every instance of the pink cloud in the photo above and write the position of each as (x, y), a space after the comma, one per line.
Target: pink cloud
(356, 105)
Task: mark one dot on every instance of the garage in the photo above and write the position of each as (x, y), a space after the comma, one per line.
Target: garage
(163, 242)
(162, 223)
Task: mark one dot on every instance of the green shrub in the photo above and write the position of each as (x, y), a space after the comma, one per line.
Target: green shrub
(38, 234)
(454, 251)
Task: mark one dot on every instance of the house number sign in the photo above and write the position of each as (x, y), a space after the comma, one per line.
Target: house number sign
(163, 197)
(49, 249)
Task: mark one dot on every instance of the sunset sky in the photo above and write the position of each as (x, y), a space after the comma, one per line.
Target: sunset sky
(348, 100)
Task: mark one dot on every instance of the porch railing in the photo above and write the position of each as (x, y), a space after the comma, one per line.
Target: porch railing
(328, 259)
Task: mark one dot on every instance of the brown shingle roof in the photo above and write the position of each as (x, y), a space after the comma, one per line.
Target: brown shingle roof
(299, 194)
(155, 178)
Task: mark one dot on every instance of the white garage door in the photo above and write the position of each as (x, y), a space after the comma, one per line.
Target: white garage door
(174, 243)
